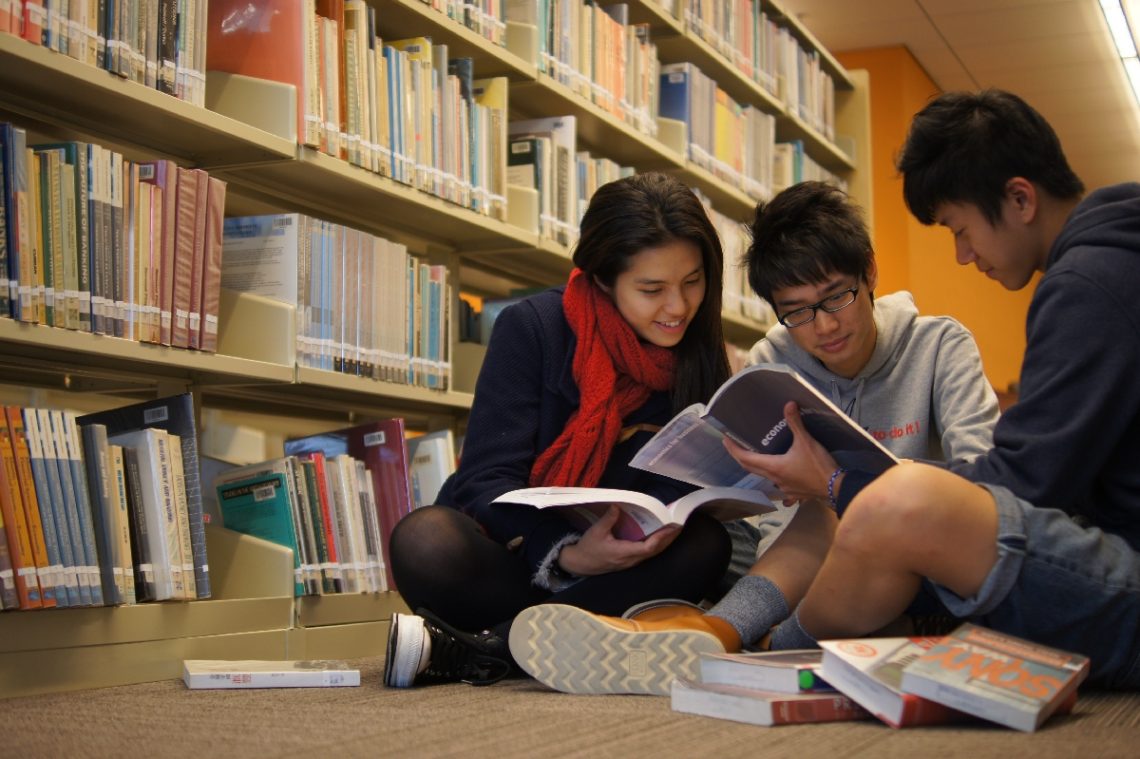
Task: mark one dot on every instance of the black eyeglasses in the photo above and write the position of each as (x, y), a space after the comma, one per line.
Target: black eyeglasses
(830, 304)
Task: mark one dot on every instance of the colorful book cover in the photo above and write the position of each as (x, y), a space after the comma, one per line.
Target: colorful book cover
(869, 671)
(998, 677)
(261, 506)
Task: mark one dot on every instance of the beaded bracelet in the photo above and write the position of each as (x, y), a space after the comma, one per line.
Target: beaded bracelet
(831, 486)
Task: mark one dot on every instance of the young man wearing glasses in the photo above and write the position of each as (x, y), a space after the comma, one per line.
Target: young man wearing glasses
(914, 382)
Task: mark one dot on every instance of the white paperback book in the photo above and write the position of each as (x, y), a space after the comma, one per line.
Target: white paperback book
(256, 673)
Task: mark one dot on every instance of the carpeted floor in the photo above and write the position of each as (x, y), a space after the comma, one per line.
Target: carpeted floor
(515, 718)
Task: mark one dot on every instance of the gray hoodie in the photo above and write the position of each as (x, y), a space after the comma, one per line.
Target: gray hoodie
(923, 394)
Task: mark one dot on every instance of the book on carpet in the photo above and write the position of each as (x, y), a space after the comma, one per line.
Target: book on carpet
(792, 671)
(642, 514)
(869, 670)
(256, 673)
(757, 707)
(995, 676)
(749, 410)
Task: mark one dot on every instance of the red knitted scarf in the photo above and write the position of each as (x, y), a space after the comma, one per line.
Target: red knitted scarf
(615, 373)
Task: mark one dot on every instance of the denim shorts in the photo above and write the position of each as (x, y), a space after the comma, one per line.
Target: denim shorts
(1058, 583)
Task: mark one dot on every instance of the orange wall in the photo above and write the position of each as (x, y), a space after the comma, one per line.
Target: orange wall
(921, 259)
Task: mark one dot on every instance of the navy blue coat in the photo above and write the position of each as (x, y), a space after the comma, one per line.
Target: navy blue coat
(1072, 440)
(524, 397)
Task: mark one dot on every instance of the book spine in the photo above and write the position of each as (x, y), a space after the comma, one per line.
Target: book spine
(310, 569)
(45, 576)
(194, 513)
(120, 502)
(71, 459)
(47, 495)
(83, 234)
(183, 270)
(198, 262)
(94, 437)
(212, 276)
(8, 597)
(178, 488)
(145, 588)
(19, 539)
(169, 512)
(330, 579)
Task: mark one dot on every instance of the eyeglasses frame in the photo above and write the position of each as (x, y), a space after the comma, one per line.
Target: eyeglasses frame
(815, 307)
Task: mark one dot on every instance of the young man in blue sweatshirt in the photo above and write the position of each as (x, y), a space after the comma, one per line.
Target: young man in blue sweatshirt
(914, 382)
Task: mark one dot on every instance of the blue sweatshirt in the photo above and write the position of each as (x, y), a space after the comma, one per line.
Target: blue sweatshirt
(1072, 441)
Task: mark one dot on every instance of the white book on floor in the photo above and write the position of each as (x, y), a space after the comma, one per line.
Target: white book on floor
(308, 673)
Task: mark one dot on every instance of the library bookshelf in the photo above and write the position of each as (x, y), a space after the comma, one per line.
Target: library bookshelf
(252, 613)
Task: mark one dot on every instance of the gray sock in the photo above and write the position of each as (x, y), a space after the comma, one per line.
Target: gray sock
(790, 634)
(752, 606)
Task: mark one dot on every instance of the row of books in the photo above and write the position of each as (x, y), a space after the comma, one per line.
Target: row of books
(745, 33)
(738, 297)
(973, 672)
(596, 52)
(101, 509)
(334, 499)
(791, 165)
(323, 509)
(92, 241)
(486, 17)
(407, 110)
(402, 108)
(734, 142)
(157, 43)
(364, 306)
(543, 155)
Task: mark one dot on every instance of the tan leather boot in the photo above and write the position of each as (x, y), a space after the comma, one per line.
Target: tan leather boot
(574, 651)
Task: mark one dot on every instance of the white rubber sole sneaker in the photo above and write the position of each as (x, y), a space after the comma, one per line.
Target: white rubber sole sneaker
(574, 651)
(405, 648)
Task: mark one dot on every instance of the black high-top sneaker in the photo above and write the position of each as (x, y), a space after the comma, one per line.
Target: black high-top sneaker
(453, 656)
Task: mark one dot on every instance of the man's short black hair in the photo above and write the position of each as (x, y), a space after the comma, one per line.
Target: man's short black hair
(964, 147)
(806, 234)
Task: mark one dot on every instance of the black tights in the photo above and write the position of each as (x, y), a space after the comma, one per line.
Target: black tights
(443, 561)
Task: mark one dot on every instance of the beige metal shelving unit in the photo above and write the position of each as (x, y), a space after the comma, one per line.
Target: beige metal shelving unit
(253, 614)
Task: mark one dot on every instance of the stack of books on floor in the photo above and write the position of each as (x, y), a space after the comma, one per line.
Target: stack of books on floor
(973, 672)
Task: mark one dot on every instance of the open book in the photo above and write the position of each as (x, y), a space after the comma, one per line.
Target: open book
(749, 409)
(641, 514)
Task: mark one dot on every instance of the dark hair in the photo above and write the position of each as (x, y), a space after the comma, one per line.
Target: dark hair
(964, 147)
(649, 210)
(803, 235)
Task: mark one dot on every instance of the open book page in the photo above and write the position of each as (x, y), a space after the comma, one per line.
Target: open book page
(642, 514)
(749, 409)
(691, 450)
